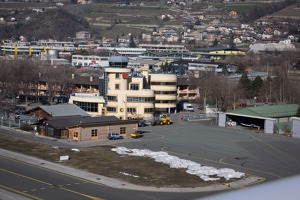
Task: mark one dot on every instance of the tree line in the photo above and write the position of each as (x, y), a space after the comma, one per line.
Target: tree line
(22, 77)
(278, 87)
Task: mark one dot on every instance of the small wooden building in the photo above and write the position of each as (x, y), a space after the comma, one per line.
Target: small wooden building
(81, 128)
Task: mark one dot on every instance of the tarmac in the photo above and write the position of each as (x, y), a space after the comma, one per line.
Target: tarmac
(118, 184)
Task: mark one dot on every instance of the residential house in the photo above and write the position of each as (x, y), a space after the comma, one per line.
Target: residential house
(210, 28)
(213, 35)
(215, 22)
(83, 35)
(193, 35)
(147, 37)
(186, 90)
(267, 35)
(237, 40)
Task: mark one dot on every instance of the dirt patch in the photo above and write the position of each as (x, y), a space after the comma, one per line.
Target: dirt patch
(103, 161)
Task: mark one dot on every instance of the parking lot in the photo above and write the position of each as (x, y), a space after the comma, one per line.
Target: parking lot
(269, 156)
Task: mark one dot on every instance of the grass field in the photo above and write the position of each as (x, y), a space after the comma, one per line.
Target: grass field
(101, 160)
(289, 12)
(108, 11)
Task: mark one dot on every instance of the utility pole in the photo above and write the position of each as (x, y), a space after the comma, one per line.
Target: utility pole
(204, 102)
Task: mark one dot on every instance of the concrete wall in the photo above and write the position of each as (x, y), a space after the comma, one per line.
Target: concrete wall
(296, 127)
(222, 119)
(269, 126)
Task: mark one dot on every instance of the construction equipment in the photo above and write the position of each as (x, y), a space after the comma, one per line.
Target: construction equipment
(162, 120)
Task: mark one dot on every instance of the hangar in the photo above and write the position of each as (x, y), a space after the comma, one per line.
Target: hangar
(270, 118)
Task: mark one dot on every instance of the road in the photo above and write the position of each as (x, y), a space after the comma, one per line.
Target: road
(36, 182)
(272, 157)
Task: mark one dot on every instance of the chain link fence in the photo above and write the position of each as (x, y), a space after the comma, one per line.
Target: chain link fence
(197, 116)
(16, 123)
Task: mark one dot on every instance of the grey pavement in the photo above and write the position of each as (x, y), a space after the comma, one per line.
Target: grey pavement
(7, 195)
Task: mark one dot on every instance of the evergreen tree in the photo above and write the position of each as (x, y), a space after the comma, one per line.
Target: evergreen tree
(256, 85)
(245, 84)
(131, 42)
(241, 69)
(215, 43)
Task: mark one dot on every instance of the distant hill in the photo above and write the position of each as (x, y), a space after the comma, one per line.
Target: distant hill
(54, 23)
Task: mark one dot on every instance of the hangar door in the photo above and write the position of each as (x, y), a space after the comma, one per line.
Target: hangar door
(296, 127)
(269, 126)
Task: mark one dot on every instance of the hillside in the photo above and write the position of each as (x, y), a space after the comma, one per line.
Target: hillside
(53, 23)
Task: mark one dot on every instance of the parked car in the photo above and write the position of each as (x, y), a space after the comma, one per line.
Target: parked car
(142, 123)
(137, 134)
(114, 136)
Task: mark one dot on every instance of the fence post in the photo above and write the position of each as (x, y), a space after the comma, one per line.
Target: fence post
(1, 121)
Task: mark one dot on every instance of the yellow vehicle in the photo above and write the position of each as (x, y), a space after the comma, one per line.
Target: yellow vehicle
(163, 119)
(137, 134)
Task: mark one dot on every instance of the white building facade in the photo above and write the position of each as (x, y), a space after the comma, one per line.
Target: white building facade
(127, 94)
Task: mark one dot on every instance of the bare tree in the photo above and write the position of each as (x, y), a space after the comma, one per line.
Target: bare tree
(57, 80)
(215, 90)
(28, 76)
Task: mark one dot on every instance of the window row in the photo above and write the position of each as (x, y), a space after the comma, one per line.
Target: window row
(86, 58)
(112, 98)
(87, 106)
(148, 110)
(163, 83)
(111, 109)
(134, 86)
(165, 101)
(140, 99)
(165, 92)
(130, 110)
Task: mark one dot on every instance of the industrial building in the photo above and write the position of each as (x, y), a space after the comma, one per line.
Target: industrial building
(271, 118)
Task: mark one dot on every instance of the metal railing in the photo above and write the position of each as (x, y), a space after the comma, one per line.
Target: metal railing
(197, 116)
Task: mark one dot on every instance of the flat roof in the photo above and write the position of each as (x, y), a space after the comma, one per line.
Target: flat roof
(267, 111)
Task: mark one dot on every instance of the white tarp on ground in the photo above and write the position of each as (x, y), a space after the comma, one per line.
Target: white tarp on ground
(204, 172)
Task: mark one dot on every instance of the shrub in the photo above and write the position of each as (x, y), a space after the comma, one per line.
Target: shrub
(26, 127)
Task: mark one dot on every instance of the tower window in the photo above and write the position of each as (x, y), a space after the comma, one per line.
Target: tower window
(134, 87)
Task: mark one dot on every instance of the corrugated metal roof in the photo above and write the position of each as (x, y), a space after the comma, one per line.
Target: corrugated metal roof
(273, 111)
(64, 110)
